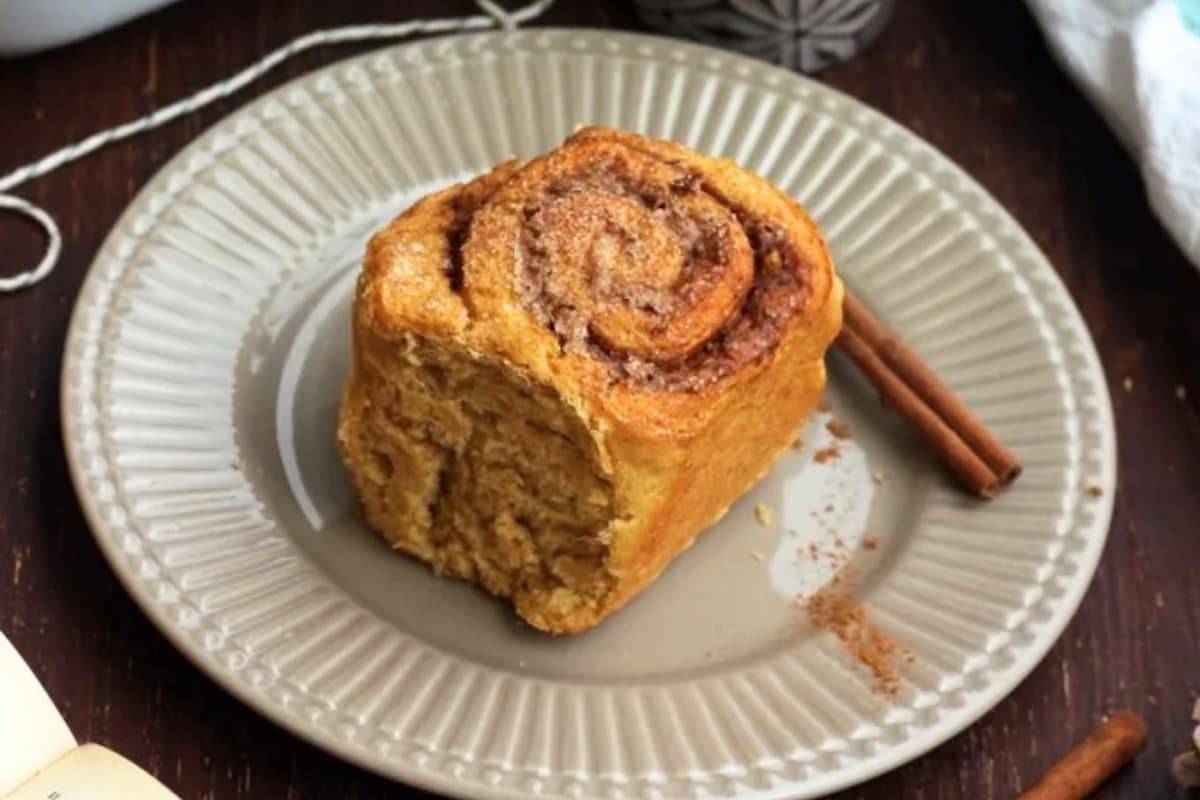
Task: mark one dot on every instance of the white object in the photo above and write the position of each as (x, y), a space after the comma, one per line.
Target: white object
(210, 340)
(1140, 66)
(27, 26)
(43, 735)
(39, 758)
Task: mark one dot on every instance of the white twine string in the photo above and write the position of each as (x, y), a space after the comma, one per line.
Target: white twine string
(494, 16)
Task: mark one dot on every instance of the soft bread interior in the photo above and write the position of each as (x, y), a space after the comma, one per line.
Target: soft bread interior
(486, 476)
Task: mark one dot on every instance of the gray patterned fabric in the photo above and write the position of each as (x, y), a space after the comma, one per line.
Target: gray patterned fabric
(802, 34)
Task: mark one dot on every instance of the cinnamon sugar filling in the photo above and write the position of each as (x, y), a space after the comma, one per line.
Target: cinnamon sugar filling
(662, 258)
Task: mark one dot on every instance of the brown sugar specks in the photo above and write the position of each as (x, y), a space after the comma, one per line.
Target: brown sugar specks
(826, 454)
(839, 429)
(834, 609)
(1095, 491)
(763, 513)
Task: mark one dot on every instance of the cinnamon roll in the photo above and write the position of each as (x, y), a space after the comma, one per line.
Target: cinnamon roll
(565, 370)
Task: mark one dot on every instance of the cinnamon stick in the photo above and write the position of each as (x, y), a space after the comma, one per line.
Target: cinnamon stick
(905, 383)
(1094, 761)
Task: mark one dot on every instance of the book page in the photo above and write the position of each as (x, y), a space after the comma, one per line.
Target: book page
(92, 772)
(32, 733)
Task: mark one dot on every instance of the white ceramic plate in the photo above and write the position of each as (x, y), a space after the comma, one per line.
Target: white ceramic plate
(210, 342)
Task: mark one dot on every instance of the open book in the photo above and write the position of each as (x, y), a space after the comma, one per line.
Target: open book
(40, 759)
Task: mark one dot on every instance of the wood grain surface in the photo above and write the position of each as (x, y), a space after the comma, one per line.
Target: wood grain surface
(982, 88)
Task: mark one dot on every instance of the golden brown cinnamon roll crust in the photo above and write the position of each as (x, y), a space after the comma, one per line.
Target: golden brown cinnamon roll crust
(565, 370)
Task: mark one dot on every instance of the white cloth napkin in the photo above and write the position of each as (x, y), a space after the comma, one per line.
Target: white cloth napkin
(1139, 63)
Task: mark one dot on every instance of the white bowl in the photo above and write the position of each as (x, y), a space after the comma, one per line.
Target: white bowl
(28, 26)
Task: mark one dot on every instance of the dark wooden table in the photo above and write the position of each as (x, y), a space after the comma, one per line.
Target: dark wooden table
(982, 88)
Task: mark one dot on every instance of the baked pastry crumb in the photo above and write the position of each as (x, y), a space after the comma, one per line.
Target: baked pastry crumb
(827, 454)
(764, 514)
(839, 429)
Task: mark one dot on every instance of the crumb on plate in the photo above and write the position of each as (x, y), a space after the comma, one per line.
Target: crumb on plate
(839, 429)
(826, 454)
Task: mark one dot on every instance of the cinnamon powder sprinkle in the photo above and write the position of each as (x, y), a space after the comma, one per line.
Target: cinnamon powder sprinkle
(826, 454)
(834, 609)
(839, 429)
(837, 559)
